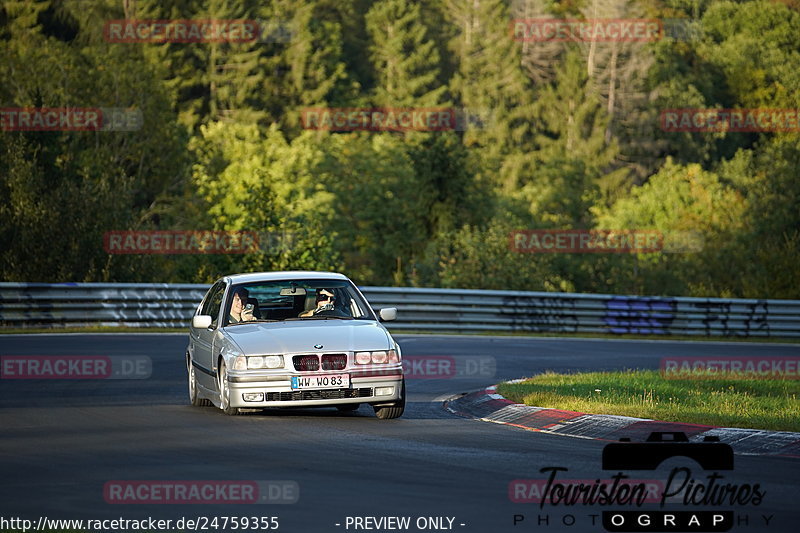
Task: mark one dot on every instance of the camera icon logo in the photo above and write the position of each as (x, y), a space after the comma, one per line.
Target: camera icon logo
(711, 454)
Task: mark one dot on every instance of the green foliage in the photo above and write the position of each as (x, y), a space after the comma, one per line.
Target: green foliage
(309, 70)
(62, 190)
(406, 61)
(489, 81)
(558, 135)
(476, 258)
(572, 154)
(265, 184)
(678, 200)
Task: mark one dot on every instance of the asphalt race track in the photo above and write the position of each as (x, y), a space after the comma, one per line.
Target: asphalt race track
(63, 440)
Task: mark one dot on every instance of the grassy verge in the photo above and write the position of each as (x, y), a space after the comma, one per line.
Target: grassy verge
(732, 402)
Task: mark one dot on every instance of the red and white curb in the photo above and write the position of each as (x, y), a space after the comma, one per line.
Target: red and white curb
(489, 406)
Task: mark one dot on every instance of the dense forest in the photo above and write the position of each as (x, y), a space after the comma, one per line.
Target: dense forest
(560, 134)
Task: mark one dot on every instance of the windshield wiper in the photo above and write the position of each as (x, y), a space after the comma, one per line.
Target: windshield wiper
(321, 318)
(253, 321)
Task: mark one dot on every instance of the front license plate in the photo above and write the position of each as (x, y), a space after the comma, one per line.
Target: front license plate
(331, 381)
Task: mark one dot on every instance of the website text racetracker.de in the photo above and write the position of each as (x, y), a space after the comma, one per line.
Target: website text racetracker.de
(197, 523)
(380, 119)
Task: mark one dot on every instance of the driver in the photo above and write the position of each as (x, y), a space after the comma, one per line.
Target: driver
(239, 312)
(324, 302)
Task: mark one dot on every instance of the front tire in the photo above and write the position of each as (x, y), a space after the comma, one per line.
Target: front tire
(194, 395)
(395, 410)
(225, 391)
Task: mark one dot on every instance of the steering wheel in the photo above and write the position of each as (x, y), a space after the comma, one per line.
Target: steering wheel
(323, 308)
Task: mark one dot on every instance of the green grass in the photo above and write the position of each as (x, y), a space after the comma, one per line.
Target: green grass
(732, 402)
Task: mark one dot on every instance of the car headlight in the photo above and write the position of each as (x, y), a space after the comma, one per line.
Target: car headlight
(264, 361)
(377, 357)
(273, 361)
(239, 363)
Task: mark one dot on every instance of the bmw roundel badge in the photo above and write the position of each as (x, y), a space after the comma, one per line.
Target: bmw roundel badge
(318, 346)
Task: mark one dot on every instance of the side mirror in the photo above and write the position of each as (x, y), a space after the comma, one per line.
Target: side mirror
(201, 321)
(387, 314)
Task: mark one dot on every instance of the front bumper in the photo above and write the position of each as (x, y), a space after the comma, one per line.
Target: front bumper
(277, 390)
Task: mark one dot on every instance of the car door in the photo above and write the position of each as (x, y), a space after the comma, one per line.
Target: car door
(204, 338)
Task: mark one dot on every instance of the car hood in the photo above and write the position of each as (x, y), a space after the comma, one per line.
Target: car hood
(301, 336)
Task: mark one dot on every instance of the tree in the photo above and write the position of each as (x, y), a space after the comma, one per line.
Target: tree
(572, 158)
(309, 69)
(63, 189)
(539, 58)
(256, 182)
(405, 59)
(451, 195)
(490, 83)
(677, 200)
(481, 258)
(379, 211)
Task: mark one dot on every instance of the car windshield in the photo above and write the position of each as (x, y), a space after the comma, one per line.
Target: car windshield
(318, 299)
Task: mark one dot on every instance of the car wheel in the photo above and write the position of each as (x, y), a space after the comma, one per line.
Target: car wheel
(194, 396)
(225, 391)
(395, 410)
(348, 407)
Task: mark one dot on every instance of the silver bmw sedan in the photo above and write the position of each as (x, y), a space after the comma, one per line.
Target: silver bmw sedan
(292, 339)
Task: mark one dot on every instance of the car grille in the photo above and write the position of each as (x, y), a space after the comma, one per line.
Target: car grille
(327, 394)
(310, 362)
(335, 361)
(306, 363)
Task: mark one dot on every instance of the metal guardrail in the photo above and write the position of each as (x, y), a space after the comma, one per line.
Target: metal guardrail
(171, 305)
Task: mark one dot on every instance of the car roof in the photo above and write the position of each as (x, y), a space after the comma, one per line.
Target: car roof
(285, 275)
